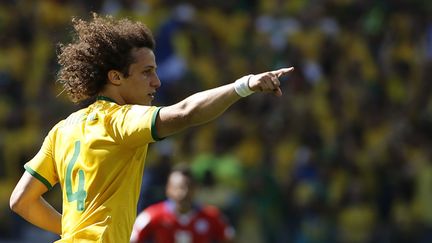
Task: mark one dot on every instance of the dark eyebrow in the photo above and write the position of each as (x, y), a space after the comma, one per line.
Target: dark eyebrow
(150, 66)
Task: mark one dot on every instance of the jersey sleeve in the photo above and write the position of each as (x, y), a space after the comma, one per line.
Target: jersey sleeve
(42, 165)
(134, 125)
(141, 229)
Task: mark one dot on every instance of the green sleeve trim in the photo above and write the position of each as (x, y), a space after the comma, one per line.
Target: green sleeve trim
(153, 125)
(38, 176)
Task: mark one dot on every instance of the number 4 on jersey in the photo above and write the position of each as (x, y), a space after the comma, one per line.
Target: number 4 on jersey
(80, 195)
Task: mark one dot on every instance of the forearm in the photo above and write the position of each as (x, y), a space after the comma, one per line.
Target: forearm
(207, 105)
(26, 200)
(40, 213)
(197, 109)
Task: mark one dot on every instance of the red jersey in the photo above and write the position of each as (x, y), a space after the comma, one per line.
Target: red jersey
(162, 224)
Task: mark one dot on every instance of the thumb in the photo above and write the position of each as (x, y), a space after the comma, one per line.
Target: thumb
(277, 92)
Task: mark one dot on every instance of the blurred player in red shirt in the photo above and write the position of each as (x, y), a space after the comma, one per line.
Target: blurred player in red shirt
(179, 219)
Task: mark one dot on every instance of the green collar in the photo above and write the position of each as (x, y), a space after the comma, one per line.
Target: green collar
(100, 97)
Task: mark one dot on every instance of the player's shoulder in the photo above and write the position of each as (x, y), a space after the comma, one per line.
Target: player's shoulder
(209, 211)
(138, 110)
(120, 112)
(156, 209)
(156, 206)
(71, 119)
(99, 110)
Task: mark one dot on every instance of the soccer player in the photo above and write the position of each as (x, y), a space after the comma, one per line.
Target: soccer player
(97, 154)
(179, 219)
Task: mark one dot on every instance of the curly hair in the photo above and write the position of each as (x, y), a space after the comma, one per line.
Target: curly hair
(99, 45)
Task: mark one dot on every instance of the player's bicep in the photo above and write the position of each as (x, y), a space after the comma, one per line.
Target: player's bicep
(171, 119)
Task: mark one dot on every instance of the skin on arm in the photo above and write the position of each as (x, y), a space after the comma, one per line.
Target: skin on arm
(27, 201)
(195, 110)
(205, 106)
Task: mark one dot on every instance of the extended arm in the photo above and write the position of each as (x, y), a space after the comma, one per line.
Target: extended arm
(27, 201)
(207, 105)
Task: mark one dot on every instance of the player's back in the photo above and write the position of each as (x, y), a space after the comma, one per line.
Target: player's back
(98, 158)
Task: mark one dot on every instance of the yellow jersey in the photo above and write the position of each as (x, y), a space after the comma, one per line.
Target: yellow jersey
(97, 155)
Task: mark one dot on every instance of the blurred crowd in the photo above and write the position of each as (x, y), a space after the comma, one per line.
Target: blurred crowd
(343, 156)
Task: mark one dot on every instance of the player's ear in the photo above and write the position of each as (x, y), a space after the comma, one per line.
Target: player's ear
(115, 77)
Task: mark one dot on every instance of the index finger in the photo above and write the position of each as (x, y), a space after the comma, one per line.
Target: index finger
(281, 72)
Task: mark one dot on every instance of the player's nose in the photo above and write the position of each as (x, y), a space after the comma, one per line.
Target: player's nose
(156, 83)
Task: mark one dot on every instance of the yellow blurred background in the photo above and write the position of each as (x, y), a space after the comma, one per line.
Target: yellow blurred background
(344, 156)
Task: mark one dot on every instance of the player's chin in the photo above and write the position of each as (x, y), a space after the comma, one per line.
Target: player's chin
(145, 102)
(150, 98)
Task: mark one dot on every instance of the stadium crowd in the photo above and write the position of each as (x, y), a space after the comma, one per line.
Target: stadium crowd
(343, 156)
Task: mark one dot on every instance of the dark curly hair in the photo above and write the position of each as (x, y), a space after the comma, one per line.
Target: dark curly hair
(99, 45)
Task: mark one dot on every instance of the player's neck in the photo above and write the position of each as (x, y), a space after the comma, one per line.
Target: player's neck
(112, 94)
(183, 208)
